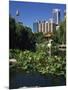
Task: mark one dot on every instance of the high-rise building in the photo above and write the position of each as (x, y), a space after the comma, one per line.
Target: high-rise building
(40, 26)
(44, 26)
(35, 27)
(52, 25)
(56, 16)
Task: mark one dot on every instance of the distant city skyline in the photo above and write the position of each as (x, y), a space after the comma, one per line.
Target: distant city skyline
(30, 12)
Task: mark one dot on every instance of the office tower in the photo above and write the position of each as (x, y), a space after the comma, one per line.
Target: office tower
(52, 26)
(43, 26)
(46, 27)
(40, 26)
(49, 26)
(56, 16)
(35, 27)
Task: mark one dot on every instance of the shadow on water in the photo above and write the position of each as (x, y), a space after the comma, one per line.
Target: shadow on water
(20, 79)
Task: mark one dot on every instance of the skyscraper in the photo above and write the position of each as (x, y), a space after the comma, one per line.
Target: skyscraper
(44, 26)
(56, 16)
(52, 25)
(40, 26)
(35, 27)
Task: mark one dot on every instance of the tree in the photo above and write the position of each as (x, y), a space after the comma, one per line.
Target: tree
(21, 37)
(24, 37)
(12, 28)
(39, 37)
(60, 34)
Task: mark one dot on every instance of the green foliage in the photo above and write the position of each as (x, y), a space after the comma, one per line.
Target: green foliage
(12, 27)
(60, 34)
(39, 37)
(39, 61)
(21, 37)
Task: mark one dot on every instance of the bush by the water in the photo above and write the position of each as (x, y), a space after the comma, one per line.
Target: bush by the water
(39, 61)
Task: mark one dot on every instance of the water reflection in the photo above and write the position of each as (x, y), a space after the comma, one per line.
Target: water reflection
(20, 79)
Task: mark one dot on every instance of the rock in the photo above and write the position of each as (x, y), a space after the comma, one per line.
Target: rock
(12, 60)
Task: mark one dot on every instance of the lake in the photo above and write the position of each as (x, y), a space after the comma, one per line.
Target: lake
(20, 79)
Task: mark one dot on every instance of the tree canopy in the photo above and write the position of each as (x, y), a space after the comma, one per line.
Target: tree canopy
(60, 34)
(21, 37)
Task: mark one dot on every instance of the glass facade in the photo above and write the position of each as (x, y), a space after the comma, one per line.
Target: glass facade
(56, 16)
(35, 27)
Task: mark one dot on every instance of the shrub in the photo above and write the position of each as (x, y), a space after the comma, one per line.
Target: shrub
(39, 61)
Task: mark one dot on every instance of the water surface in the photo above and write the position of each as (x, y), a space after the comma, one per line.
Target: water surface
(19, 79)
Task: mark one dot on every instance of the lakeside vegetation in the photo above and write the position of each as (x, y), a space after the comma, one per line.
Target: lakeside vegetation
(31, 51)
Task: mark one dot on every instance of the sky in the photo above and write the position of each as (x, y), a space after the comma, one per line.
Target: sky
(30, 12)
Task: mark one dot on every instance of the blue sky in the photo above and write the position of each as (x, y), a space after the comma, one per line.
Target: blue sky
(29, 12)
